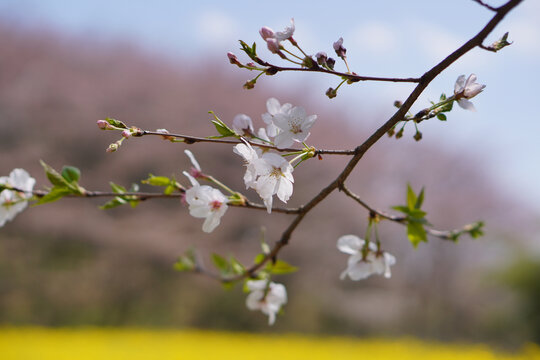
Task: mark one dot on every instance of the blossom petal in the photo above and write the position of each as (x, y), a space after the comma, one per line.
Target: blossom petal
(460, 84)
(350, 244)
(466, 104)
(192, 159)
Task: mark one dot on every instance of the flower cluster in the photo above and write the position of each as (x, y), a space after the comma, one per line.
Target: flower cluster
(359, 266)
(13, 202)
(269, 173)
(267, 297)
(274, 39)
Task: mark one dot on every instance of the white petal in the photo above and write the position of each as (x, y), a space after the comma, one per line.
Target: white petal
(350, 244)
(253, 285)
(253, 300)
(268, 203)
(285, 189)
(192, 159)
(211, 222)
(191, 179)
(283, 140)
(360, 271)
(466, 104)
(460, 84)
(273, 106)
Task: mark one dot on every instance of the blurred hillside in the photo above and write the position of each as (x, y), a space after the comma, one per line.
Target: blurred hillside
(69, 263)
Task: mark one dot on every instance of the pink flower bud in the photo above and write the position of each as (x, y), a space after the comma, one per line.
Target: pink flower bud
(340, 50)
(273, 45)
(233, 59)
(126, 133)
(103, 124)
(112, 147)
(266, 33)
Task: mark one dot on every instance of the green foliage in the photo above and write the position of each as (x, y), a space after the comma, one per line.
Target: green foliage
(122, 200)
(280, 267)
(186, 262)
(229, 267)
(221, 128)
(170, 184)
(64, 184)
(250, 51)
(116, 123)
(415, 216)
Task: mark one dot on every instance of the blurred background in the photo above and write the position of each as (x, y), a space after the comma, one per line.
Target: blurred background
(64, 65)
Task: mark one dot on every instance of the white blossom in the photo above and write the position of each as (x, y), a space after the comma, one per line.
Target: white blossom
(467, 89)
(358, 268)
(250, 156)
(274, 107)
(205, 202)
(285, 34)
(274, 177)
(267, 297)
(242, 125)
(294, 125)
(13, 202)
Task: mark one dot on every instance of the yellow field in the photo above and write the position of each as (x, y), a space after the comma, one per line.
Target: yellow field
(133, 344)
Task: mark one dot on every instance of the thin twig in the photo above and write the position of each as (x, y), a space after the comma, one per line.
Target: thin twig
(487, 6)
(352, 77)
(188, 139)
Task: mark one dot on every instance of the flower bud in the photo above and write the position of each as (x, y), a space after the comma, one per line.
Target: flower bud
(126, 133)
(321, 58)
(103, 125)
(418, 136)
(340, 50)
(112, 147)
(398, 104)
(391, 132)
(266, 33)
(165, 131)
(233, 59)
(331, 62)
(399, 134)
(273, 45)
(331, 93)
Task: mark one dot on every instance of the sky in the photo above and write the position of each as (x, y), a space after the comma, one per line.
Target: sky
(383, 38)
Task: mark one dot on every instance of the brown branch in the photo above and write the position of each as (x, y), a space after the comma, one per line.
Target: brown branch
(398, 116)
(142, 196)
(487, 6)
(188, 139)
(352, 77)
(441, 234)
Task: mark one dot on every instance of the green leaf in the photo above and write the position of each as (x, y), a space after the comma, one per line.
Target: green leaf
(116, 123)
(236, 266)
(56, 193)
(54, 177)
(186, 262)
(416, 233)
(119, 189)
(223, 129)
(259, 258)
(402, 208)
(281, 267)
(411, 197)
(441, 117)
(169, 190)
(71, 174)
(221, 264)
(117, 201)
(157, 180)
(443, 97)
(419, 200)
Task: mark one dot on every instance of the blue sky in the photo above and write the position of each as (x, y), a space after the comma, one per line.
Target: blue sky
(386, 38)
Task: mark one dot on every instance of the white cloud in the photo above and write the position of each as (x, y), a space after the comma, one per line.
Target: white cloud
(374, 37)
(215, 28)
(435, 42)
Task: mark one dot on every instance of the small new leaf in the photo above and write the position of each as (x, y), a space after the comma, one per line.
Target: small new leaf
(221, 264)
(416, 233)
(157, 180)
(56, 193)
(54, 177)
(281, 267)
(71, 174)
(186, 262)
(116, 123)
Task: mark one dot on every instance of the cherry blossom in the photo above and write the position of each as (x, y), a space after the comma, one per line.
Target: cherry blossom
(195, 171)
(274, 177)
(359, 268)
(267, 297)
(242, 125)
(294, 125)
(274, 107)
(205, 202)
(13, 202)
(467, 89)
(250, 156)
